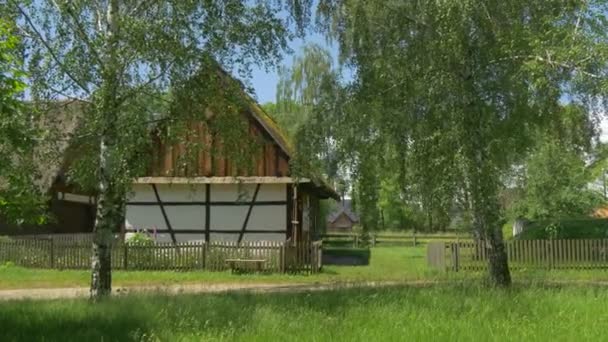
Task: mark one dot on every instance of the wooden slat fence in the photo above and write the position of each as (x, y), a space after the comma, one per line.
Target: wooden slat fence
(522, 254)
(59, 238)
(381, 239)
(280, 257)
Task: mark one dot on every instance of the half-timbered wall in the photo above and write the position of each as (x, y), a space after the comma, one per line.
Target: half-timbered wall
(228, 212)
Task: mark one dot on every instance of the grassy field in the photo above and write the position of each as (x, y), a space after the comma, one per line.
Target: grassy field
(464, 312)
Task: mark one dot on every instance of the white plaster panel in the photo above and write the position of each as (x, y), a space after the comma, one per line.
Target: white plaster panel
(144, 217)
(268, 217)
(186, 217)
(189, 237)
(168, 193)
(249, 237)
(265, 237)
(228, 217)
(244, 192)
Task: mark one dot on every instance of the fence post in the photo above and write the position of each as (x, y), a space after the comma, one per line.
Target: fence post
(414, 239)
(125, 257)
(204, 254)
(282, 258)
(551, 252)
(52, 256)
(456, 256)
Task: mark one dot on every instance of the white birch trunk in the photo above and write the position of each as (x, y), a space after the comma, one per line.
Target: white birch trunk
(110, 198)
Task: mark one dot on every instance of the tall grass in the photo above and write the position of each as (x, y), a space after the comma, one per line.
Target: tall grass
(462, 312)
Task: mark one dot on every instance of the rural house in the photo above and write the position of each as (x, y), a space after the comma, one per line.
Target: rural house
(209, 198)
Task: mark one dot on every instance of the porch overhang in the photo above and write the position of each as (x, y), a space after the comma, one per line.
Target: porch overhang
(321, 188)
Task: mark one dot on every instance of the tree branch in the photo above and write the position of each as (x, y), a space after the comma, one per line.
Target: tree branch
(550, 62)
(150, 81)
(83, 35)
(49, 49)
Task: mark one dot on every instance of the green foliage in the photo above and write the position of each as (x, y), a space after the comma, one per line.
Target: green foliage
(566, 229)
(326, 207)
(360, 253)
(451, 94)
(20, 198)
(556, 185)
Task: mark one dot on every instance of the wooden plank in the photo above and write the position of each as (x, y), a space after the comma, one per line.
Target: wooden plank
(167, 159)
(283, 167)
(269, 158)
(207, 212)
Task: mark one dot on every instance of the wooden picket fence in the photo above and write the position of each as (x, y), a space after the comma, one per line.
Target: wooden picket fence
(522, 254)
(280, 257)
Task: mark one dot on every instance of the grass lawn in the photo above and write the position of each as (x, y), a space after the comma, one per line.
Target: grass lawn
(464, 312)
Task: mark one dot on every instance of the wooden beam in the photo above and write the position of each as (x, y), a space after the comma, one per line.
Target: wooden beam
(255, 196)
(207, 211)
(220, 180)
(289, 199)
(218, 231)
(213, 204)
(277, 172)
(162, 209)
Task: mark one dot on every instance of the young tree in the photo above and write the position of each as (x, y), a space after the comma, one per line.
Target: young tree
(20, 199)
(471, 79)
(562, 148)
(548, 196)
(114, 56)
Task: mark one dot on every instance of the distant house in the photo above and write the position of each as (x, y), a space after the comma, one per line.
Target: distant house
(343, 218)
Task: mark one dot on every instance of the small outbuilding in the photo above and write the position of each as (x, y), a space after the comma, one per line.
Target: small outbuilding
(343, 219)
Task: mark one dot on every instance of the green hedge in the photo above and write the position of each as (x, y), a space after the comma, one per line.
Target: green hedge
(587, 228)
(356, 252)
(346, 256)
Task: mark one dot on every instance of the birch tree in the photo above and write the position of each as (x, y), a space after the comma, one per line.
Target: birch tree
(119, 58)
(465, 83)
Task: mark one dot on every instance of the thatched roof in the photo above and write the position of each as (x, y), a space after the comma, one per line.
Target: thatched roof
(345, 207)
(59, 123)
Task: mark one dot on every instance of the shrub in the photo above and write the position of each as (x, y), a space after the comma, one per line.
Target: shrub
(566, 229)
(140, 239)
(346, 256)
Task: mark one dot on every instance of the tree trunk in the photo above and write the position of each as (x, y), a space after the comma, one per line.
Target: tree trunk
(487, 222)
(111, 195)
(497, 259)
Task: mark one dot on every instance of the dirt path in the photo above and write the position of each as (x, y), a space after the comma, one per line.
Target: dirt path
(82, 292)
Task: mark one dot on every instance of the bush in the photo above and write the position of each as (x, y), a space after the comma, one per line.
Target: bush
(140, 239)
(566, 229)
(346, 256)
